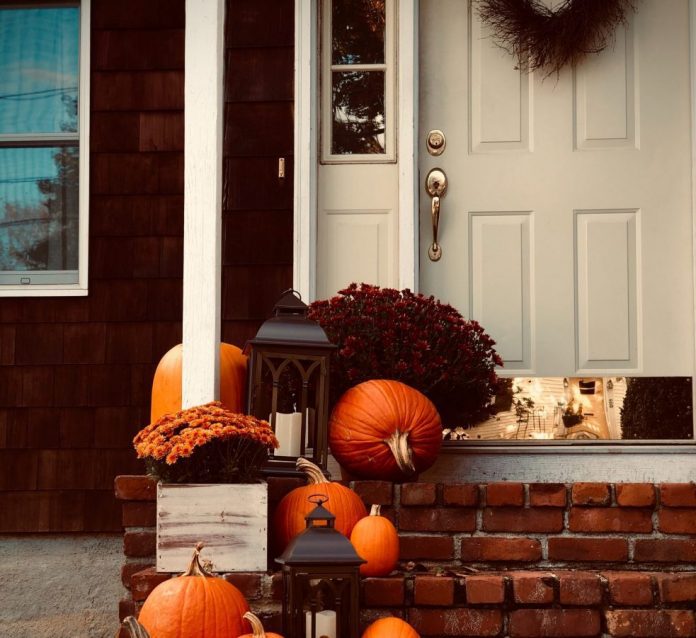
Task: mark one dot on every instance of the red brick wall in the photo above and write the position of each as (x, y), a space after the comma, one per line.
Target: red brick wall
(503, 559)
(75, 373)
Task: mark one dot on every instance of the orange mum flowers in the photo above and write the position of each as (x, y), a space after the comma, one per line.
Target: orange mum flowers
(205, 444)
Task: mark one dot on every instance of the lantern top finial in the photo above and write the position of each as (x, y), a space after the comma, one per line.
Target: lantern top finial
(319, 513)
(290, 303)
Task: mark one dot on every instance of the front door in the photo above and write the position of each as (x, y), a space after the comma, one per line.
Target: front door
(566, 228)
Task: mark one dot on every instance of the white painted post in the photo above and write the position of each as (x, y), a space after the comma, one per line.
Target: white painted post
(203, 122)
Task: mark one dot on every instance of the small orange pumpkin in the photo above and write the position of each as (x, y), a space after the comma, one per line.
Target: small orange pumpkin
(384, 429)
(391, 627)
(166, 384)
(257, 630)
(195, 604)
(376, 540)
(343, 503)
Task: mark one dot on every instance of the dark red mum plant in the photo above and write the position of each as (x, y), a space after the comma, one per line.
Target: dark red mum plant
(382, 333)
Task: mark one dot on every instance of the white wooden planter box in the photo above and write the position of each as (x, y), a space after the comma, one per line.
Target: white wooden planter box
(230, 520)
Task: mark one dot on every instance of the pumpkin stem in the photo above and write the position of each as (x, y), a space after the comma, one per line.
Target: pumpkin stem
(375, 510)
(398, 444)
(256, 626)
(135, 629)
(196, 568)
(313, 472)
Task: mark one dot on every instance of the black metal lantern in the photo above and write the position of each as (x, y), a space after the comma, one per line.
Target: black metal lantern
(321, 580)
(289, 384)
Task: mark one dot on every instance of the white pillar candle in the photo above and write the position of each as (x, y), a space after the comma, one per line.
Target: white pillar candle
(288, 431)
(325, 627)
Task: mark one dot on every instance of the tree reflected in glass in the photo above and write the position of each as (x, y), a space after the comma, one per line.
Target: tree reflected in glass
(358, 113)
(357, 32)
(358, 97)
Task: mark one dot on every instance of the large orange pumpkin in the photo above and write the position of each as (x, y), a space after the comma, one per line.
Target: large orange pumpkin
(195, 605)
(376, 540)
(166, 385)
(390, 628)
(342, 502)
(383, 429)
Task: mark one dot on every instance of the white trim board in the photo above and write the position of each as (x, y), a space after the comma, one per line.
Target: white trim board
(552, 465)
(305, 181)
(407, 123)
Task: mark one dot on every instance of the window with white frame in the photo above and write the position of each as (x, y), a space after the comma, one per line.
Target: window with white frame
(358, 70)
(43, 147)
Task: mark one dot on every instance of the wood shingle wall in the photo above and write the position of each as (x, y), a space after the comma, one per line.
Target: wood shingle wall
(75, 373)
(257, 222)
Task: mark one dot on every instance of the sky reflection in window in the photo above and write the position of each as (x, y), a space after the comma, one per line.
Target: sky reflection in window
(39, 70)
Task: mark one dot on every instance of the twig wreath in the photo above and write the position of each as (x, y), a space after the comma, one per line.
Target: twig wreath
(550, 39)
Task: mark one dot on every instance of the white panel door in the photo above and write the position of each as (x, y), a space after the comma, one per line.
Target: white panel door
(566, 229)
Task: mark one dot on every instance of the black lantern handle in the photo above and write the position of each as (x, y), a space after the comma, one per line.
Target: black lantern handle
(319, 513)
(293, 291)
(290, 303)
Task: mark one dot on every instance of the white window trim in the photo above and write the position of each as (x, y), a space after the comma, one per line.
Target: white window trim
(80, 289)
(619, 461)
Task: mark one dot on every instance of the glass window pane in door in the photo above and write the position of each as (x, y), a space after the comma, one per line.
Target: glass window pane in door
(358, 113)
(357, 32)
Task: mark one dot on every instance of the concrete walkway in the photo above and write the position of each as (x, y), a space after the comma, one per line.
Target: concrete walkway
(60, 586)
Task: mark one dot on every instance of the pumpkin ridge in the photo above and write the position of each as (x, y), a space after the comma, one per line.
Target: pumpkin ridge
(183, 604)
(360, 414)
(218, 598)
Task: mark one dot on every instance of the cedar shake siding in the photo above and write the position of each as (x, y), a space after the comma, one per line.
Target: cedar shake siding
(257, 215)
(75, 372)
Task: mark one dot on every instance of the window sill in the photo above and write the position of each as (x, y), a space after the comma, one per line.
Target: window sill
(43, 291)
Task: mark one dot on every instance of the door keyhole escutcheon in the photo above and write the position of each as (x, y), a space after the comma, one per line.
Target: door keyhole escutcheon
(435, 142)
(435, 186)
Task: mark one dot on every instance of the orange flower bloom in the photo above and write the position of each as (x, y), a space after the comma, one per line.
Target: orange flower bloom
(176, 437)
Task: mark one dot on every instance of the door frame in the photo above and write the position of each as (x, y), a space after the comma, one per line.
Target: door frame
(633, 457)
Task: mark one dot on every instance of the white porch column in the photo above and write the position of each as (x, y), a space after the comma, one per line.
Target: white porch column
(203, 125)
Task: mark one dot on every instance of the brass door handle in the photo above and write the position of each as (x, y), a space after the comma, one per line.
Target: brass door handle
(435, 186)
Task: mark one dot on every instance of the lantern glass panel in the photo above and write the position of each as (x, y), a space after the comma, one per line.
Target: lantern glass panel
(321, 604)
(291, 386)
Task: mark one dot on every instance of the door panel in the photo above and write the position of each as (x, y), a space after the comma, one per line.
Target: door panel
(566, 229)
(500, 243)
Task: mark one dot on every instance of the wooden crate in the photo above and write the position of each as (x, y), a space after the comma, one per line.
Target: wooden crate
(230, 520)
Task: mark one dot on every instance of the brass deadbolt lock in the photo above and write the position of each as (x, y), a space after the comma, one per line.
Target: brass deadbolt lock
(436, 142)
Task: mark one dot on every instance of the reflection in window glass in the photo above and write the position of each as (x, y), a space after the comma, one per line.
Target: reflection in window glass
(358, 113)
(38, 209)
(39, 144)
(587, 409)
(39, 62)
(357, 32)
